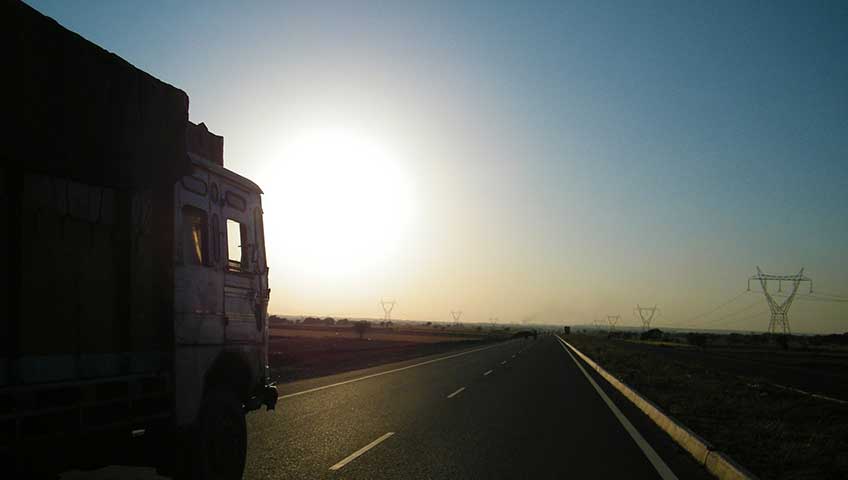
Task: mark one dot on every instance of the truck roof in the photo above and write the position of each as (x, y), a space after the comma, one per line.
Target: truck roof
(234, 177)
(78, 111)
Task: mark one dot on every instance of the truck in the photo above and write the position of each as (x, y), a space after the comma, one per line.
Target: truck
(134, 294)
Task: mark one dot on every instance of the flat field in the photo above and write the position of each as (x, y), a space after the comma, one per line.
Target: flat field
(736, 398)
(391, 334)
(298, 352)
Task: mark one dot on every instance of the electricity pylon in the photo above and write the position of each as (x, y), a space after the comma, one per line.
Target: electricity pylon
(456, 314)
(646, 314)
(613, 320)
(780, 311)
(388, 306)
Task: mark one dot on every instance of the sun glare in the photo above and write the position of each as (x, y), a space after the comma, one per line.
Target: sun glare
(340, 202)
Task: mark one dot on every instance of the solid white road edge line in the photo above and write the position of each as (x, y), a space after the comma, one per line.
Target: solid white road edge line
(324, 387)
(486, 373)
(456, 392)
(814, 395)
(359, 452)
(653, 457)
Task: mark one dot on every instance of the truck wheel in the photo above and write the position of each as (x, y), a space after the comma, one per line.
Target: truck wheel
(222, 437)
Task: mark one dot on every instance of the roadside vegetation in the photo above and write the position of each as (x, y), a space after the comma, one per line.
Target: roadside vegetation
(732, 391)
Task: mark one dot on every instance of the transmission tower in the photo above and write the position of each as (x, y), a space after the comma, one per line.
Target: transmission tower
(780, 311)
(613, 320)
(456, 314)
(388, 306)
(646, 314)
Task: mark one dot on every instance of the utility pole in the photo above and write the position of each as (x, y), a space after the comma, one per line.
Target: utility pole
(646, 314)
(780, 311)
(388, 306)
(613, 321)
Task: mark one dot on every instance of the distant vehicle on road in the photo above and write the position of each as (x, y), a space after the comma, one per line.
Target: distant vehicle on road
(525, 334)
(135, 289)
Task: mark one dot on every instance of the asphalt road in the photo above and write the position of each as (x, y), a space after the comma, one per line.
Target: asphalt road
(517, 409)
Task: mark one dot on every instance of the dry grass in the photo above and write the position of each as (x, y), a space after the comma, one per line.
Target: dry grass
(373, 334)
(304, 351)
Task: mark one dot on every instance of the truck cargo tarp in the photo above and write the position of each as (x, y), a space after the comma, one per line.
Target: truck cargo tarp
(80, 112)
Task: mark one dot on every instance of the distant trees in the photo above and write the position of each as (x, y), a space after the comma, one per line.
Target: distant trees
(318, 321)
(652, 334)
(832, 339)
(697, 339)
(360, 327)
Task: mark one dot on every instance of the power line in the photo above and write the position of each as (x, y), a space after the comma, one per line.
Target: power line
(814, 298)
(732, 314)
(835, 295)
(728, 302)
(748, 317)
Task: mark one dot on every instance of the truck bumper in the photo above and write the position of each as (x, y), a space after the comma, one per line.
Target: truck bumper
(269, 397)
(266, 396)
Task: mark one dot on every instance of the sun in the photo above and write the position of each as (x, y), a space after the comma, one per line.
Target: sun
(338, 202)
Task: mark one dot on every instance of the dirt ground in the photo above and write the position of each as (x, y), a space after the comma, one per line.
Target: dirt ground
(731, 398)
(296, 352)
(373, 334)
(817, 371)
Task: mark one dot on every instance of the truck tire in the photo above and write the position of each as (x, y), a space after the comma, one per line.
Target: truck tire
(221, 438)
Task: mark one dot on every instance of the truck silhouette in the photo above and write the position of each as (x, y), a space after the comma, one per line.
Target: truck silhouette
(133, 303)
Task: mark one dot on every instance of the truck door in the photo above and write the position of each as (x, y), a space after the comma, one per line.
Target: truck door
(198, 271)
(243, 285)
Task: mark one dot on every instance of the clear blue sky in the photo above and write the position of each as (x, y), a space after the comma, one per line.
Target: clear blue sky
(568, 159)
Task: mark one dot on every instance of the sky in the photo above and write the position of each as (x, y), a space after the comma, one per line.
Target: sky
(527, 161)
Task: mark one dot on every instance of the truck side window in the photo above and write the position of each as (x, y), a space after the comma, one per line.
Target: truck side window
(195, 243)
(238, 246)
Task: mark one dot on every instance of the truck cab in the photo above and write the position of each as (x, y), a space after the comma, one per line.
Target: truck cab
(220, 293)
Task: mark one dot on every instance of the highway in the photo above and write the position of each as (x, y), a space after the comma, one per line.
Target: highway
(516, 409)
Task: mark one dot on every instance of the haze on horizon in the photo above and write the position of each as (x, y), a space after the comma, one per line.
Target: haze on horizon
(550, 161)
